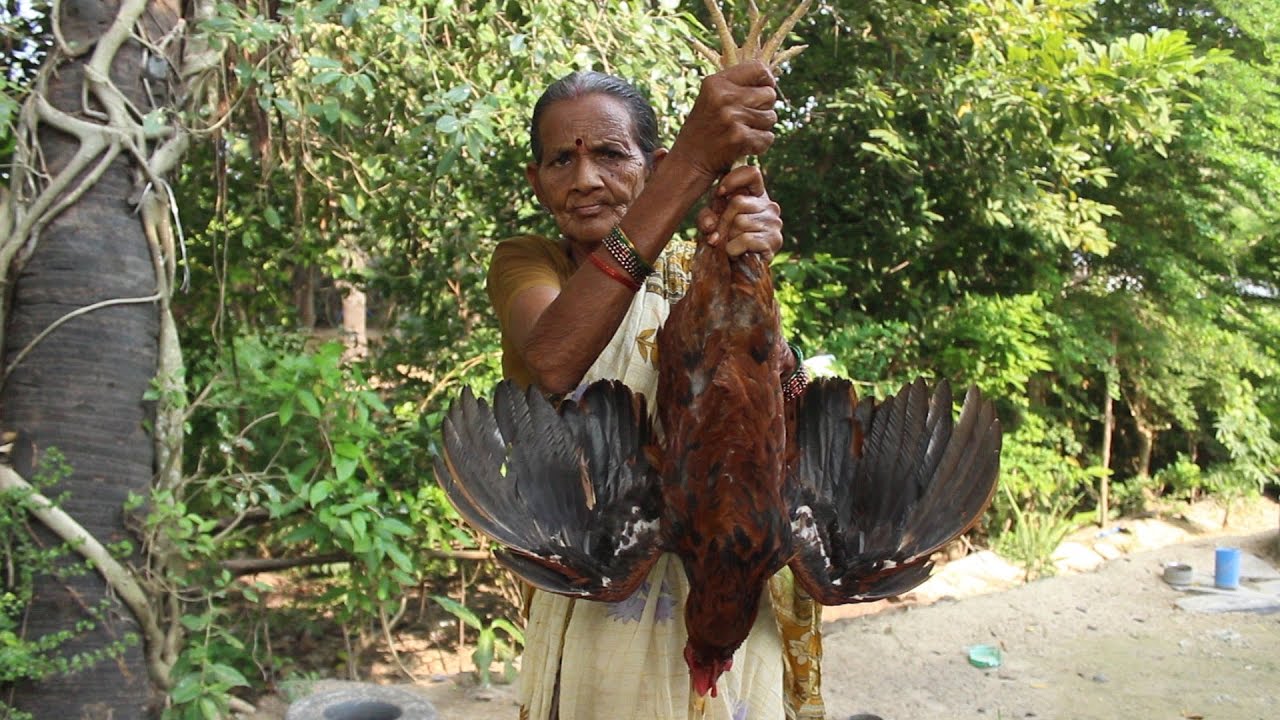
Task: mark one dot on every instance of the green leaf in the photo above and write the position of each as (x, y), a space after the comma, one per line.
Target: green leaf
(458, 94)
(195, 623)
(349, 206)
(287, 107)
(483, 655)
(344, 468)
(347, 450)
(308, 401)
(187, 689)
(228, 675)
(400, 558)
(319, 492)
(328, 77)
(447, 124)
(458, 610)
(446, 163)
(286, 411)
(323, 63)
(331, 109)
(209, 709)
(395, 527)
(510, 629)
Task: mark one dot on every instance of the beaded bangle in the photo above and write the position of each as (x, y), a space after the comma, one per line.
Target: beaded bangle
(625, 281)
(622, 250)
(794, 385)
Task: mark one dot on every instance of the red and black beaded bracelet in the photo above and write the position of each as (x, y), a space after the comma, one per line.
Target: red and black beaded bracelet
(626, 255)
(795, 384)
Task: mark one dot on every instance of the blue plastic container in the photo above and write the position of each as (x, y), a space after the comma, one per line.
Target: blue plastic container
(1226, 568)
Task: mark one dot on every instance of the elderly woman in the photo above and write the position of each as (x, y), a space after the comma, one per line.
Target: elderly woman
(586, 306)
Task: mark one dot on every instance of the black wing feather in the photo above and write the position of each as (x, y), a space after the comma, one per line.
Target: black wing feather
(877, 488)
(568, 491)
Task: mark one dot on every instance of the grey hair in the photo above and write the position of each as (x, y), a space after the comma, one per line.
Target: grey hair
(644, 121)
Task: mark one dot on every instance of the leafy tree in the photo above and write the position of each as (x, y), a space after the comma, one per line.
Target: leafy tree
(946, 169)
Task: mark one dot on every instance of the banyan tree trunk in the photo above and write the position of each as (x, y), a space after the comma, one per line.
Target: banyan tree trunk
(86, 307)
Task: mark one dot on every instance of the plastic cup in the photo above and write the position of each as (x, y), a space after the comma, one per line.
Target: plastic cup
(1226, 568)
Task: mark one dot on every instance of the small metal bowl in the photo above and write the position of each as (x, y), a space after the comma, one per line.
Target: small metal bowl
(1177, 573)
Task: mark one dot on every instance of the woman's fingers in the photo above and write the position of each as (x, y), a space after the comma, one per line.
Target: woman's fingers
(733, 117)
(741, 217)
(752, 72)
(742, 180)
(744, 212)
(743, 223)
(762, 242)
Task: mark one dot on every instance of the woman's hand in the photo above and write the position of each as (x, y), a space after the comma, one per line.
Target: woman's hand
(741, 218)
(732, 118)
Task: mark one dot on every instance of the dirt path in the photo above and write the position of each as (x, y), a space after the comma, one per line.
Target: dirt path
(1105, 644)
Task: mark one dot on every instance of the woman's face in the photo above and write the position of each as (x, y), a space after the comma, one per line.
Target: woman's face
(591, 167)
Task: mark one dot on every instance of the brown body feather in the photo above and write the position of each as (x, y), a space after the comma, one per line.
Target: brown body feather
(721, 405)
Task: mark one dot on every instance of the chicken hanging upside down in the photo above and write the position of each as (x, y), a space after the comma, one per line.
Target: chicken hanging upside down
(854, 495)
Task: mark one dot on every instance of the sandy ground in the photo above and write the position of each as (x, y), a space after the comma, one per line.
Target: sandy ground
(1102, 640)
(1102, 645)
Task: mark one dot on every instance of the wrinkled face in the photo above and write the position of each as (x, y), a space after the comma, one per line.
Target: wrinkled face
(591, 167)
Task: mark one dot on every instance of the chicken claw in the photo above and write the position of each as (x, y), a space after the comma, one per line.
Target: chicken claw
(770, 52)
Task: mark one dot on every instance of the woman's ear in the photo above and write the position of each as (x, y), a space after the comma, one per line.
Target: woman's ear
(657, 158)
(531, 174)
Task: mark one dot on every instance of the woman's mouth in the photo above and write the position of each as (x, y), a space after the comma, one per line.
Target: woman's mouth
(586, 211)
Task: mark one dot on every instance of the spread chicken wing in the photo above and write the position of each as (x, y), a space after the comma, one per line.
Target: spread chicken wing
(570, 493)
(877, 488)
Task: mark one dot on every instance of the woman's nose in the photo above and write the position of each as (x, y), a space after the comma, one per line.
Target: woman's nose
(586, 174)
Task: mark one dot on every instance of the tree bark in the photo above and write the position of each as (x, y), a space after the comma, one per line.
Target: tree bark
(1104, 485)
(1108, 429)
(1146, 441)
(355, 303)
(76, 379)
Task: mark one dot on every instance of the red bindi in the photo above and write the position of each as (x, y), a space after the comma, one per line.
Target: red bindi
(578, 142)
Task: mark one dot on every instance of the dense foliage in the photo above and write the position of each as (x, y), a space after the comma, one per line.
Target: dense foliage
(1070, 203)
